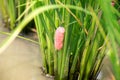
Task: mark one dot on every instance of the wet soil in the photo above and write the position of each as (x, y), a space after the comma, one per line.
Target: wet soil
(21, 60)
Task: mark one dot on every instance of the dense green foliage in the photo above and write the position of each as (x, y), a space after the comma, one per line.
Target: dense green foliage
(91, 32)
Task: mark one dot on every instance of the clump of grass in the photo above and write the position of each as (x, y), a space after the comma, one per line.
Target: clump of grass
(81, 56)
(91, 28)
(13, 12)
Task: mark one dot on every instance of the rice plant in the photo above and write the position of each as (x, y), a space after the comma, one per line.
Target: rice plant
(74, 36)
